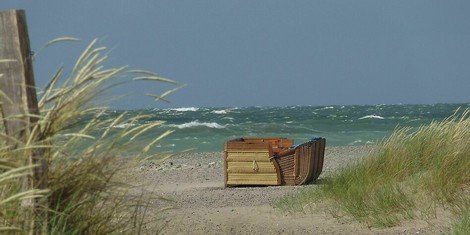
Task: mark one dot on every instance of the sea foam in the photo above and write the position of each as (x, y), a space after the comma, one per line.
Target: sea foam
(371, 116)
(192, 109)
(124, 125)
(220, 111)
(198, 124)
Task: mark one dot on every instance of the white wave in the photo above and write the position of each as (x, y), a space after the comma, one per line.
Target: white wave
(220, 111)
(186, 109)
(169, 145)
(327, 107)
(371, 116)
(124, 125)
(198, 124)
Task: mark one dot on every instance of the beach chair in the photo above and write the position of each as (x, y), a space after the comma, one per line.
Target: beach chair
(272, 161)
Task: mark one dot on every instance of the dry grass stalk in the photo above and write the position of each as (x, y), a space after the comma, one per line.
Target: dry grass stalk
(81, 173)
(411, 175)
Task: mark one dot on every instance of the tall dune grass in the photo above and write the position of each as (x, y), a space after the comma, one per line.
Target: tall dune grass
(411, 175)
(83, 151)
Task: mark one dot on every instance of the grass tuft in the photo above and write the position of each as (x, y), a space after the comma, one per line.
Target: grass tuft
(83, 152)
(410, 175)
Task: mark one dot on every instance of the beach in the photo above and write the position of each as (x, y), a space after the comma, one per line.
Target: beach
(193, 183)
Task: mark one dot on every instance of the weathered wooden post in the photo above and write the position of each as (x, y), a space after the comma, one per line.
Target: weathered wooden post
(19, 106)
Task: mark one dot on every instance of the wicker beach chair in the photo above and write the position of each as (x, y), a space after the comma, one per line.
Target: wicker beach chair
(271, 161)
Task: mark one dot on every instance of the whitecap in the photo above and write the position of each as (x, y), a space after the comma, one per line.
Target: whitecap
(124, 125)
(372, 116)
(198, 124)
(168, 145)
(220, 111)
(326, 107)
(186, 109)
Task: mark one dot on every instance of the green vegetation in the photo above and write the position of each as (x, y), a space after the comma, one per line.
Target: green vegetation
(411, 175)
(83, 152)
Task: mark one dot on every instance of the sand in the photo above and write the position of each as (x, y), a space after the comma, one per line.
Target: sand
(194, 183)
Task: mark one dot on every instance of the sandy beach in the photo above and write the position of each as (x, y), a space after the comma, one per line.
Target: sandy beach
(194, 183)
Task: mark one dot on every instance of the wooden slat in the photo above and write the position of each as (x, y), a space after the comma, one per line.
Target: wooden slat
(276, 142)
(248, 156)
(259, 176)
(243, 145)
(247, 167)
(248, 151)
(235, 182)
(252, 179)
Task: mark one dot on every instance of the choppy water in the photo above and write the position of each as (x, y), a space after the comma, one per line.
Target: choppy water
(206, 129)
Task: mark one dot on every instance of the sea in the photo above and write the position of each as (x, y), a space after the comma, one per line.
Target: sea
(205, 129)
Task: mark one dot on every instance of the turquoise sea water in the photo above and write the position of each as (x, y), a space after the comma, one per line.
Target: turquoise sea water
(206, 129)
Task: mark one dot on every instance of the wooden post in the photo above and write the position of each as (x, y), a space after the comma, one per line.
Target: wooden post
(19, 104)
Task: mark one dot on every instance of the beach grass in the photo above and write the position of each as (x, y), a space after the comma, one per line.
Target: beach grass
(414, 174)
(83, 152)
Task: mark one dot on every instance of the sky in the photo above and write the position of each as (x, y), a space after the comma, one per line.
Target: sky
(266, 52)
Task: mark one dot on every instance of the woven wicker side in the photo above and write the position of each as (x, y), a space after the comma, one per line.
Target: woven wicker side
(303, 164)
(311, 155)
(316, 152)
(319, 149)
(286, 168)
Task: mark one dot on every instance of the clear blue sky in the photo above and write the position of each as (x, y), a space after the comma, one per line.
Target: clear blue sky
(275, 53)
